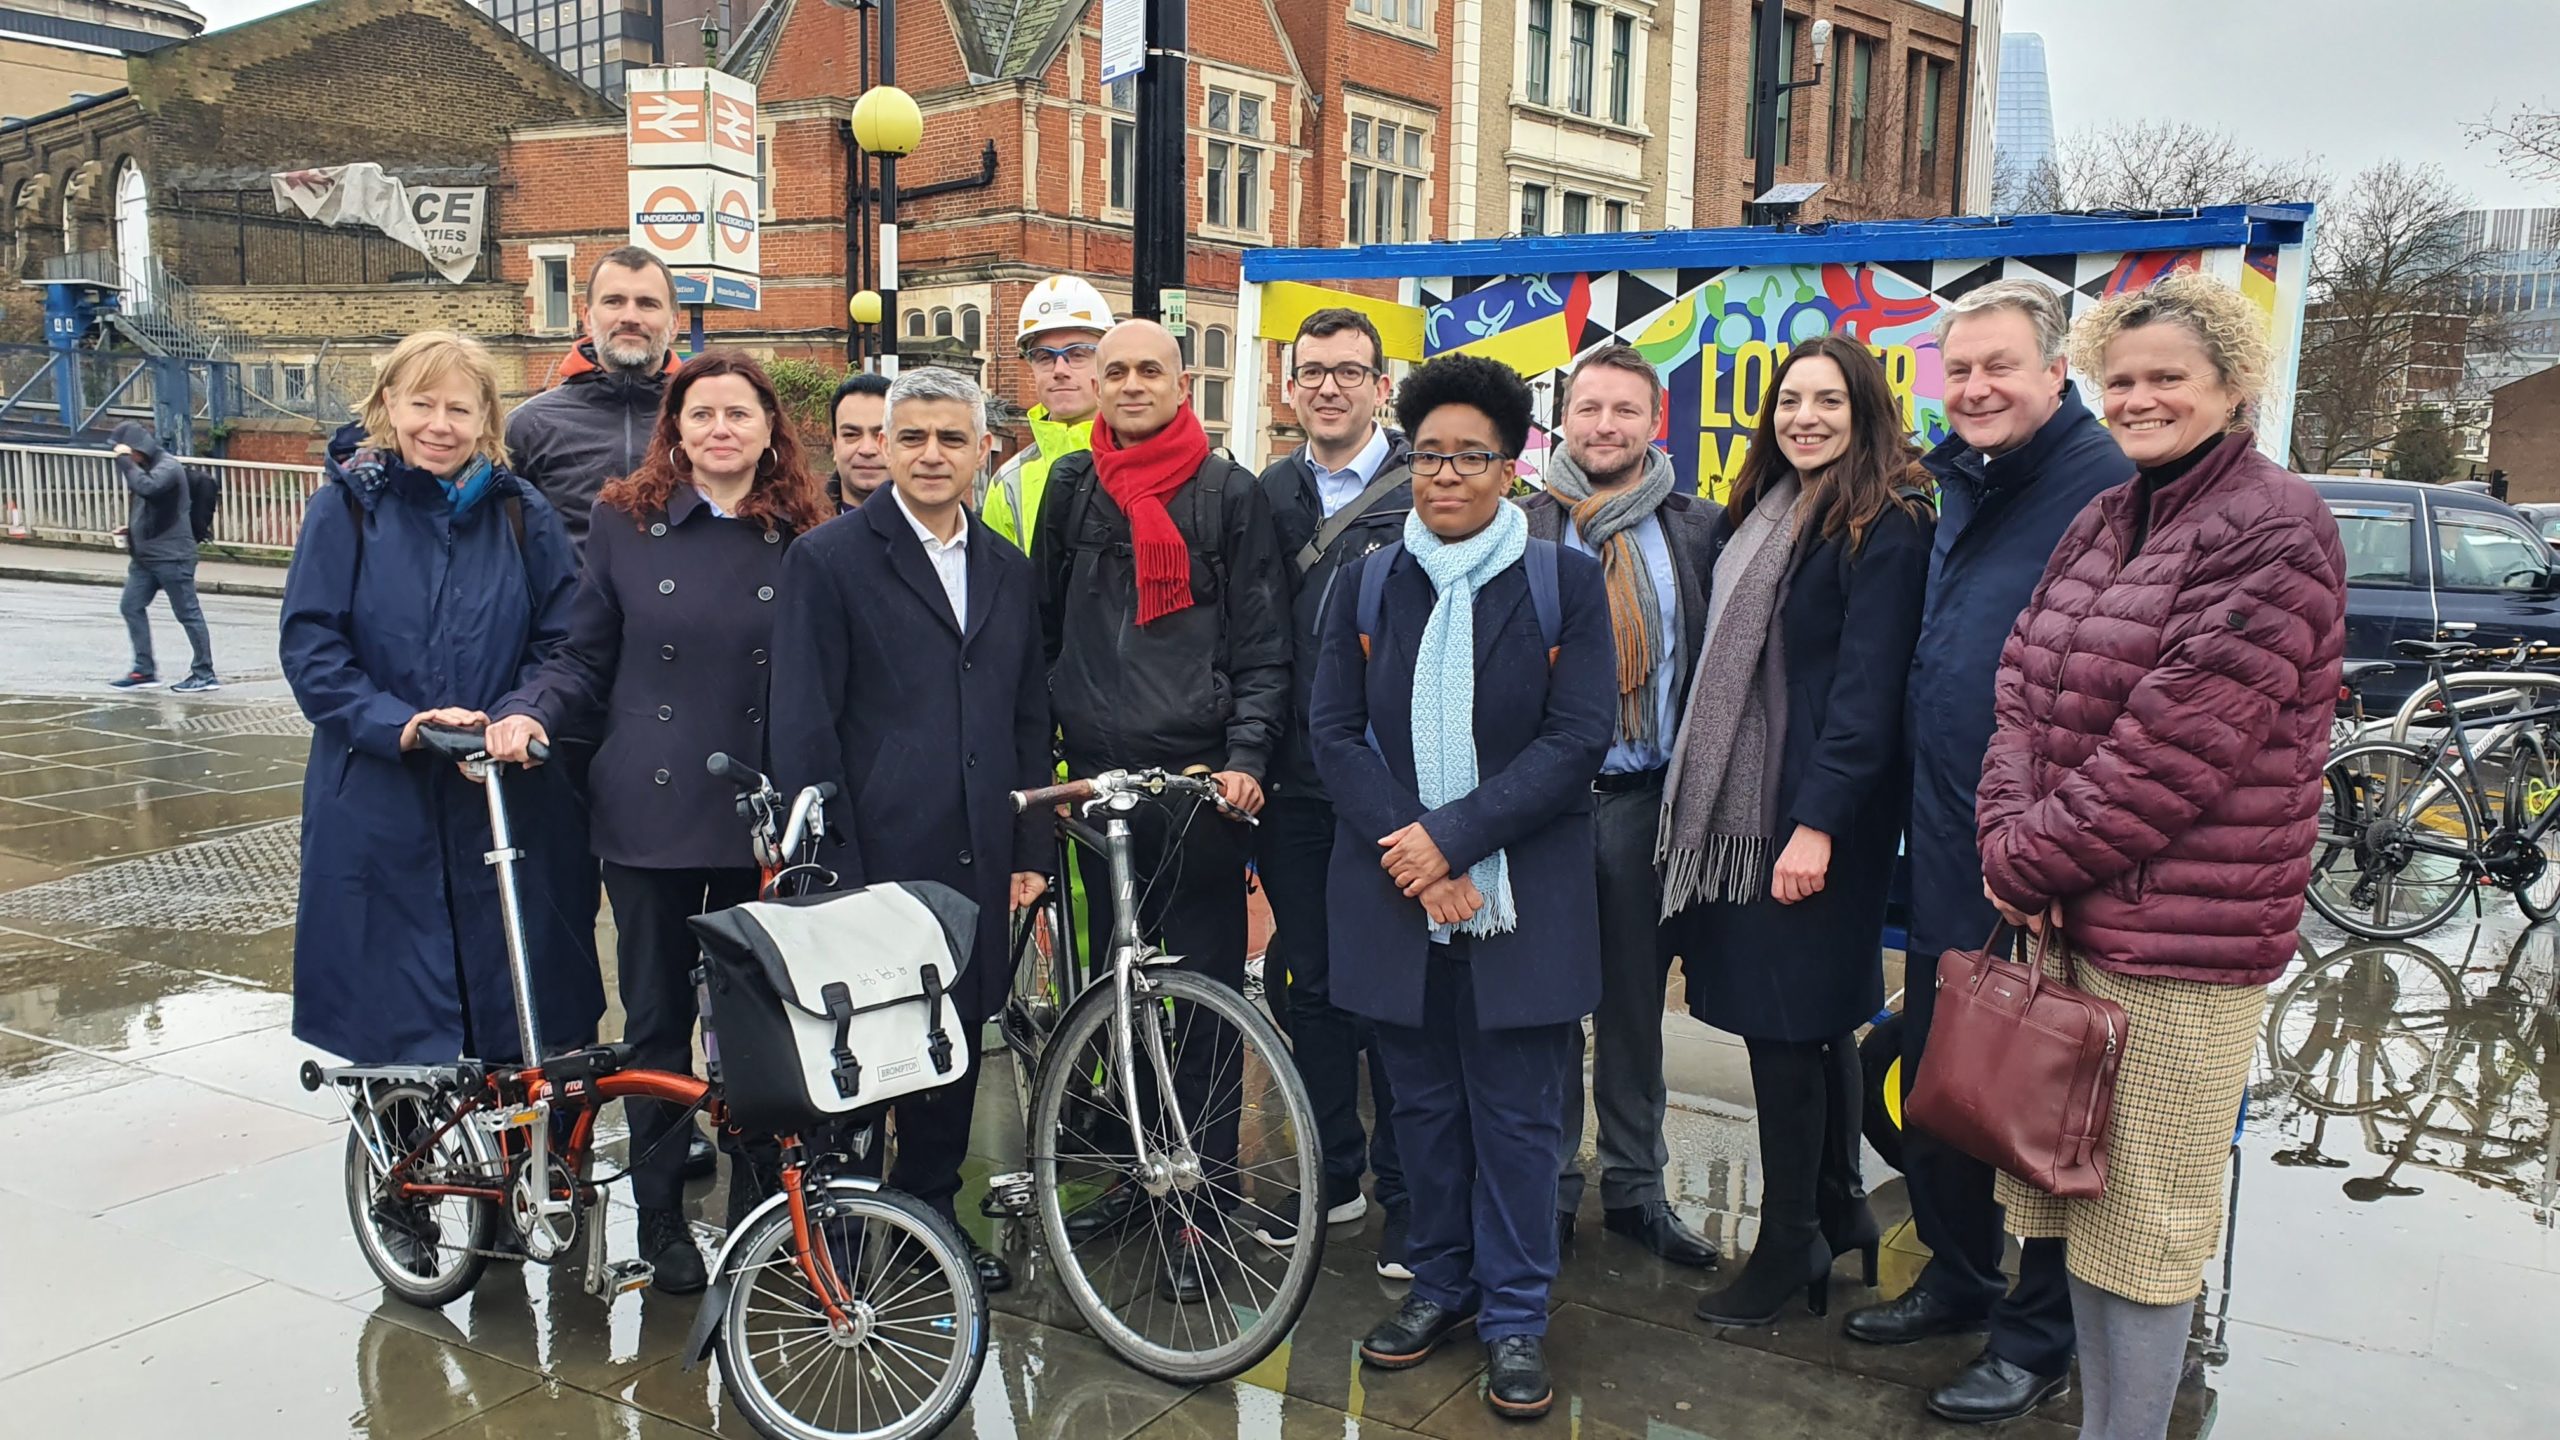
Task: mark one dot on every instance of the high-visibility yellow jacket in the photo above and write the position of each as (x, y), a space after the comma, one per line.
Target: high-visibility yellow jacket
(1012, 506)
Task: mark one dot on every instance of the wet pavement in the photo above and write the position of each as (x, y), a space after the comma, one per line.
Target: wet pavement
(174, 1243)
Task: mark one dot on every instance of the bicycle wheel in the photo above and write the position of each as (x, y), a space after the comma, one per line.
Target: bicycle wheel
(906, 1355)
(2359, 1031)
(2397, 835)
(426, 1250)
(2533, 787)
(1128, 1238)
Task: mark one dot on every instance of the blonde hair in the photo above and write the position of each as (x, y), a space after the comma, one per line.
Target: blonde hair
(428, 358)
(2232, 331)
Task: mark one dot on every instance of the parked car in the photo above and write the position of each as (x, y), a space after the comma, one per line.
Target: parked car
(2546, 519)
(2430, 562)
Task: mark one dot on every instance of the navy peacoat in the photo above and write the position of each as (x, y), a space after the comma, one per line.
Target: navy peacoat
(1541, 732)
(393, 606)
(667, 660)
(928, 726)
(1814, 970)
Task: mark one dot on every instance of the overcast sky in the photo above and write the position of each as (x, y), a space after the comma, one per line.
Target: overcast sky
(2352, 81)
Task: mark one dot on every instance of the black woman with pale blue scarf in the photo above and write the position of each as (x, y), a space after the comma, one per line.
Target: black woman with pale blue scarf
(1464, 698)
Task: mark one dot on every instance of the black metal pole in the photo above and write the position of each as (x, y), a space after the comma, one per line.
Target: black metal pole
(888, 259)
(1764, 108)
(1964, 101)
(857, 201)
(1162, 203)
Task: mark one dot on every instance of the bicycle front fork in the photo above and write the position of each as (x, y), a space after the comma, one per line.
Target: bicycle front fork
(1180, 1168)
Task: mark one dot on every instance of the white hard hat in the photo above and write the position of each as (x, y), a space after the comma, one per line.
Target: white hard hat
(1062, 302)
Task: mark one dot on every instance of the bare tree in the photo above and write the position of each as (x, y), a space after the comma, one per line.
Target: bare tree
(2527, 137)
(2026, 189)
(2176, 165)
(2389, 318)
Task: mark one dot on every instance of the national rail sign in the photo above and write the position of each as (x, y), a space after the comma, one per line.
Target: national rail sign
(695, 190)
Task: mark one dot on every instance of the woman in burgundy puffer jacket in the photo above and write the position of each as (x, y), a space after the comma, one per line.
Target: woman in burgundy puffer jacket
(2164, 709)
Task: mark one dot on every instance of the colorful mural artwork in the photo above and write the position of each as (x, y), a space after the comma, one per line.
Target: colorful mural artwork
(1718, 336)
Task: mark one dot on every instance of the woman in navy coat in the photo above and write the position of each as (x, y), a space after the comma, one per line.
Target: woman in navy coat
(1813, 611)
(427, 583)
(669, 648)
(1459, 741)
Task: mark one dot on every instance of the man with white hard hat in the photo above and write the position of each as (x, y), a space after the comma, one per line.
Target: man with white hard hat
(1059, 332)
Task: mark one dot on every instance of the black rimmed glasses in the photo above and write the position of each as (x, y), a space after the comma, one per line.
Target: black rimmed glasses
(1468, 463)
(1350, 375)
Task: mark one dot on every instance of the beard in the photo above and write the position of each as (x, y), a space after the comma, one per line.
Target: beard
(630, 352)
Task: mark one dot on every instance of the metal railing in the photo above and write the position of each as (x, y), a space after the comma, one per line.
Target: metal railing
(157, 309)
(50, 492)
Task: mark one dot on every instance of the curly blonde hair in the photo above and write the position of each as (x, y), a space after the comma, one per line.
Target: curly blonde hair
(428, 358)
(2232, 331)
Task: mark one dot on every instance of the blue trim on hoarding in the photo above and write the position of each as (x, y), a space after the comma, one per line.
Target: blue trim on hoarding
(1957, 238)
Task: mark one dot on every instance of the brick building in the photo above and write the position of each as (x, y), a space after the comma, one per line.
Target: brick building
(161, 188)
(1584, 116)
(2524, 436)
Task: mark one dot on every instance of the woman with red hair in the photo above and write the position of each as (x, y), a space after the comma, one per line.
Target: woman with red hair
(666, 662)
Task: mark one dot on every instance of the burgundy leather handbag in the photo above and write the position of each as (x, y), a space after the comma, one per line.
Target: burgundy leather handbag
(2020, 1070)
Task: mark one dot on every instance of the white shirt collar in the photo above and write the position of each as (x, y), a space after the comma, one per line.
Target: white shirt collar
(932, 542)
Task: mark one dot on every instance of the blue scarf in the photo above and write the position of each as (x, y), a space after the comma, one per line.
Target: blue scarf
(469, 487)
(1444, 684)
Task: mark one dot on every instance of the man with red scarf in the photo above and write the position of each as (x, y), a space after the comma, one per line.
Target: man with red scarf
(1165, 612)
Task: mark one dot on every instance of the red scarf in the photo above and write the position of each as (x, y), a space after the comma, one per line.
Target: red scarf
(1139, 479)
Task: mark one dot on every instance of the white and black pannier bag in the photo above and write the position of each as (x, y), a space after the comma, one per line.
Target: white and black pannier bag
(820, 1005)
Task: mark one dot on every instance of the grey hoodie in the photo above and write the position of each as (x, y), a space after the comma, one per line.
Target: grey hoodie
(159, 530)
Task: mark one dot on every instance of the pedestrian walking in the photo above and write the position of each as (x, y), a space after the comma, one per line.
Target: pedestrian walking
(859, 439)
(1462, 706)
(1059, 334)
(160, 559)
(2153, 787)
(595, 425)
(1340, 496)
(1609, 494)
(913, 599)
(1164, 611)
(2025, 459)
(1787, 791)
(666, 662)
(428, 578)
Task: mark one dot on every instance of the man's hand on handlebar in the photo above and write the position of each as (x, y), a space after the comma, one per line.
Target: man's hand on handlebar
(508, 738)
(1239, 790)
(452, 715)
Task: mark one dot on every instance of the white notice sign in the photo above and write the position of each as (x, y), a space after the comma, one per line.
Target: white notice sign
(1124, 38)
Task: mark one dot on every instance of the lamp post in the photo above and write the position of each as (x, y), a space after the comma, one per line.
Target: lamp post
(1764, 101)
(887, 125)
(1161, 232)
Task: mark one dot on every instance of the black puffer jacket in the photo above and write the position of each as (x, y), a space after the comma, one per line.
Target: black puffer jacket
(1297, 511)
(159, 530)
(1207, 685)
(592, 427)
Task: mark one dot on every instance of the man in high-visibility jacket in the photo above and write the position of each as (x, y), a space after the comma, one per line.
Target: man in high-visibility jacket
(1059, 332)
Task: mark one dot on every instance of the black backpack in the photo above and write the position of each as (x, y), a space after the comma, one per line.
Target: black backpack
(204, 496)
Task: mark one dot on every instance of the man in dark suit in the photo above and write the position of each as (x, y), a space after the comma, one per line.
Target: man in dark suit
(1610, 494)
(2026, 458)
(908, 671)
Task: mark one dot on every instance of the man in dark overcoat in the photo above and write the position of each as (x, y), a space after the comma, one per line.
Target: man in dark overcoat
(908, 670)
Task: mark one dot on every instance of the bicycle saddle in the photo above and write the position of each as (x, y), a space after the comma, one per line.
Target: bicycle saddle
(2359, 671)
(2434, 649)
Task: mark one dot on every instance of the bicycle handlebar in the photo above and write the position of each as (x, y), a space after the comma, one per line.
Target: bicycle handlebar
(1150, 785)
(461, 745)
(737, 772)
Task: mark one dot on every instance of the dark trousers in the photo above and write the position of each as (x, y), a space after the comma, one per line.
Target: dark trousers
(1294, 847)
(932, 1133)
(1953, 1207)
(177, 580)
(1479, 1113)
(1626, 1031)
(655, 955)
(1189, 865)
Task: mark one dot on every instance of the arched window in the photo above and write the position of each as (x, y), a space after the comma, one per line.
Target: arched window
(1214, 352)
(915, 324)
(973, 327)
(70, 218)
(942, 323)
(133, 228)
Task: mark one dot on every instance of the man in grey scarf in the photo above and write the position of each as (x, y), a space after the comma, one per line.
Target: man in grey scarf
(1610, 494)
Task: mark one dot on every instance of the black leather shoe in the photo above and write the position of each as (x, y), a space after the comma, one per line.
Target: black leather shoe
(1914, 1315)
(701, 1157)
(666, 1242)
(1991, 1389)
(1660, 1231)
(1515, 1377)
(1186, 1273)
(994, 1276)
(1107, 1211)
(1407, 1338)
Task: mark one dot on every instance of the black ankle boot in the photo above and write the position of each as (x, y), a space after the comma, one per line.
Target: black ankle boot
(1790, 1258)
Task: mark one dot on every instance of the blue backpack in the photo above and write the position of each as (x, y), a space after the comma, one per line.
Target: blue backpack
(1540, 561)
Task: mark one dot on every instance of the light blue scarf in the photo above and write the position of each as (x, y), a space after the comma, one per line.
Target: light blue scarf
(1444, 684)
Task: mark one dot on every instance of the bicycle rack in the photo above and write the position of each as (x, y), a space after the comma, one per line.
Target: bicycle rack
(2514, 682)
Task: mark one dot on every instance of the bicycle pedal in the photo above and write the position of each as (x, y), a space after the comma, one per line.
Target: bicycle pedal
(624, 1276)
(1009, 1196)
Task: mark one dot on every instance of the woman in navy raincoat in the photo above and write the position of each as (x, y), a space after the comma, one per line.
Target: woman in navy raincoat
(427, 583)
